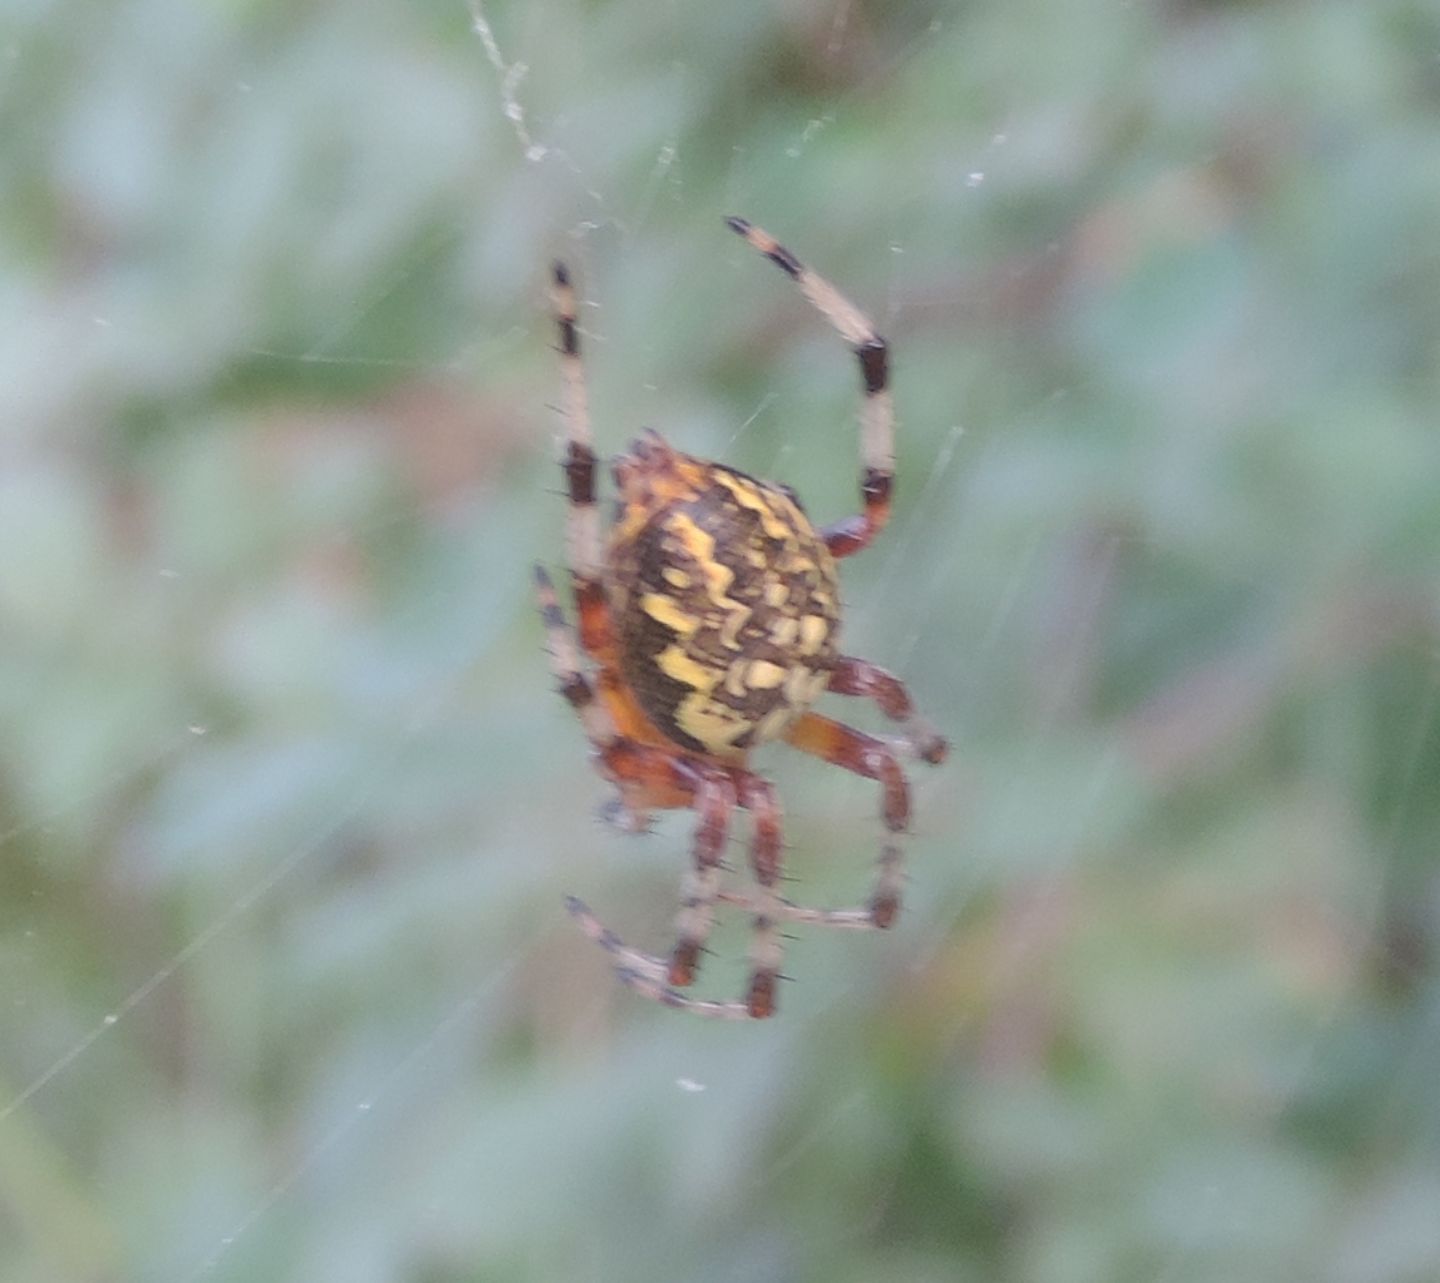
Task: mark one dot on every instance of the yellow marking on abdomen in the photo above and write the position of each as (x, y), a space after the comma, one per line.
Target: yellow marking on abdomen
(749, 495)
(701, 546)
(735, 679)
(763, 675)
(674, 662)
(814, 629)
(666, 610)
(803, 686)
(784, 631)
(730, 629)
(712, 724)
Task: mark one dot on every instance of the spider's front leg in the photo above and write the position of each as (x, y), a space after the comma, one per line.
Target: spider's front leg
(658, 779)
(564, 655)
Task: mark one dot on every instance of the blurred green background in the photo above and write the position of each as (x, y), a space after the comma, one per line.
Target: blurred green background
(287, 802)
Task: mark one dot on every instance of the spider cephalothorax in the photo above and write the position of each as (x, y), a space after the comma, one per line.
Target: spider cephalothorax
(712, 615)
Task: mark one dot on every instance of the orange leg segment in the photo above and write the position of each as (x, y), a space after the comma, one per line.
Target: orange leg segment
(843, 746)
(865, 755)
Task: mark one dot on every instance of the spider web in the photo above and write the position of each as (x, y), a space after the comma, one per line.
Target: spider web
(899, 600)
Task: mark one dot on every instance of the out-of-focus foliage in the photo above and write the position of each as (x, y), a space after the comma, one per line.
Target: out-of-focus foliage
(288, 805)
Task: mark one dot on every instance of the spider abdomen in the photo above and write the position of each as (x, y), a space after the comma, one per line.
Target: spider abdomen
(726, 607)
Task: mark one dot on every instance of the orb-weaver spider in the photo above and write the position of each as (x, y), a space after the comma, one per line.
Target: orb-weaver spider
(711, 613)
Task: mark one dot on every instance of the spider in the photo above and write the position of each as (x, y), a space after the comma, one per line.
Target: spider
(711, 614)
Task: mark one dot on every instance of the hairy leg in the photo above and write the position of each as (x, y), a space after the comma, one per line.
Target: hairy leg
(582, 521)
(859, 677)
(714, 801)
(767, 947)
(865, 755)
(877, 415)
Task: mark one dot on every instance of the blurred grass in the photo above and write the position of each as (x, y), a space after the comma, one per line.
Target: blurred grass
(287, 806)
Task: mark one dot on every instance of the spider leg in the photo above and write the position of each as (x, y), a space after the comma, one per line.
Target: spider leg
(648, 778)
(877, 414)
(865, 755)
(645, 973)
(852, 676)
(584, 546)
(716, 795)
(767, 946)
(789, 911)
(658, 780)
(714, 800)
(582, 521)
(565, 664)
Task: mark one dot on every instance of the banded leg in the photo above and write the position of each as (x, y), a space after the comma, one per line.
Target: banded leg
(715, 801)
(652, 977)
(582, 521)
(789, 911)
(660, 779)
(852, 676)
(877, 414)
(767, 948)
(647, 778)
(645, 973)
(565, 664)
(865, 755)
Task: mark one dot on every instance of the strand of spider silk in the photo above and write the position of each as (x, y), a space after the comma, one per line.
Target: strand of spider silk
(397, 1074)
(235, 910)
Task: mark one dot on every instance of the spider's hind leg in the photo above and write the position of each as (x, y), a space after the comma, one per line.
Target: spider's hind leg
(716, 794)
(650, 779)
(714, 800)
(767, 947)
(645, 973)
